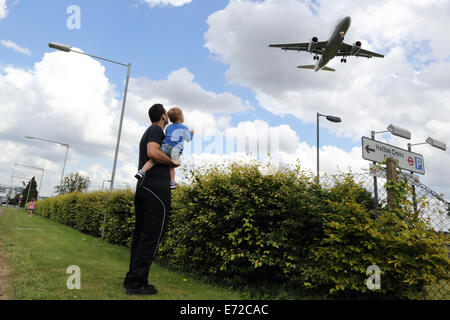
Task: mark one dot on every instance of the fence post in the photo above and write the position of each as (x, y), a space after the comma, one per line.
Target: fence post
(391, 175)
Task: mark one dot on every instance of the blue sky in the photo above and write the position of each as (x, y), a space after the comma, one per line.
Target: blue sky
(223, 45)
(154, 40)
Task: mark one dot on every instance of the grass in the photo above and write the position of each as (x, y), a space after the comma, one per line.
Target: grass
(39, 251)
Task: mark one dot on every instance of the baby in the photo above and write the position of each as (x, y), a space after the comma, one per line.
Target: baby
(173, 143)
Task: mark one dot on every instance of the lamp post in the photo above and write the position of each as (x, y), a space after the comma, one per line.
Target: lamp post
(103, 183)
(10, 187)
(60, 143)
(396, 131)
(28, 194)
(42, 176)
(12, 178)
(331, 119)
(434, 143)
(67, 48)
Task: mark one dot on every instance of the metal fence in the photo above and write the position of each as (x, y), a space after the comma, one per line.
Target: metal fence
(433, 208)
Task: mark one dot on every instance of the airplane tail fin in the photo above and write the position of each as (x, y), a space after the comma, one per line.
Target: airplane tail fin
(313, 67)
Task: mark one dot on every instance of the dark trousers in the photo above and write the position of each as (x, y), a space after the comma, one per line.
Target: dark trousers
(152, 208)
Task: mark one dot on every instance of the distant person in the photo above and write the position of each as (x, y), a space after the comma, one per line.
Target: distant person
(30, 208)
(173, 143)
(151, 203)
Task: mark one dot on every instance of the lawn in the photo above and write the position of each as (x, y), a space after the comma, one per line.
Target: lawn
(38, 252)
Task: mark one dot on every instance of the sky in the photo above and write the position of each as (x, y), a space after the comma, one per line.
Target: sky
(211, 59)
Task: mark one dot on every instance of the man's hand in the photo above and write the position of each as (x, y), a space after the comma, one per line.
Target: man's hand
(176, 163)
(192, 131)
(154, 153)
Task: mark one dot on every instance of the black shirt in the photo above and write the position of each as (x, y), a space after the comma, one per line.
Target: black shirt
(158, 176)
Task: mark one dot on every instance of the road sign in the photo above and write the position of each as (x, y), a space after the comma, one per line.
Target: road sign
(377, 151)
(381, 173)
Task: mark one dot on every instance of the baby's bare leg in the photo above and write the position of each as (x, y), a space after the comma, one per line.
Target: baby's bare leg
(148, 165)
(172, 174)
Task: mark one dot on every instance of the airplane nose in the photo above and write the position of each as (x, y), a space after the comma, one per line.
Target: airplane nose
(348, 21)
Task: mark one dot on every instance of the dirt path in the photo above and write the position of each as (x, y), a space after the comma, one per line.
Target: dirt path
(3, 272)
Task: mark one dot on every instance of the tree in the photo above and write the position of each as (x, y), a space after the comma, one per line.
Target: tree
(72, 183)
(33, 192)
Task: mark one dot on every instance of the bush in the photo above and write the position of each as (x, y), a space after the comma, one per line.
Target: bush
(243, 227)
(408, 252)
(85, 212)
(240, 227)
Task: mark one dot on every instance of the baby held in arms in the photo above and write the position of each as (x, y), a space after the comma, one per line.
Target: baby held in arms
(172, 145)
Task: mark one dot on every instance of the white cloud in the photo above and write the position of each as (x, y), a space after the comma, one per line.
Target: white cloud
(14, 46)
(409, 87)
(66, 97)
(3, 9)
(180, 89)
(175, 3)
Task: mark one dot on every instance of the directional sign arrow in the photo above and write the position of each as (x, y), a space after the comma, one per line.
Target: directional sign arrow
(378, 151)
(368, 149)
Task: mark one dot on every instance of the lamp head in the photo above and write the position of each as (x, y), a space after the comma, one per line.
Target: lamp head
(436, 143)
(399, 132)
(334, 119)
(60, 46)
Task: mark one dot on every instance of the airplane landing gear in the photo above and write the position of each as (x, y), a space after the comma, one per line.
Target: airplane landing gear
(316, 57)
(344, 60)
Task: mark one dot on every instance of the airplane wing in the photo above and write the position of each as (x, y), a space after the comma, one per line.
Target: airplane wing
(346, 50)
(319, 49)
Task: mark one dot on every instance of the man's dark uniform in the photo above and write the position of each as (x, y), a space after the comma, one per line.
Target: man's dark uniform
(152, 208)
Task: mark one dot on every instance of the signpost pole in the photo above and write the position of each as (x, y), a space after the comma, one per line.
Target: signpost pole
(413, 189)
(391, 175)
(375, 184)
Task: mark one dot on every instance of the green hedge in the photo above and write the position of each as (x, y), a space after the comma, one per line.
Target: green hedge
(242, 228)
(85, 212)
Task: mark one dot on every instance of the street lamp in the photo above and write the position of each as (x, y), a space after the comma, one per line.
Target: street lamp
(42, 176)
(103, 183)
(436, 143)
(433, 142)
(28, 194)
(396, 131)
(67, 48)
(12, 179)
(60, 143)
(331, 119)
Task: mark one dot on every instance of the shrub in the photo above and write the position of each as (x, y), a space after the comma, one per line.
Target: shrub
(408, 252)
(243, 228)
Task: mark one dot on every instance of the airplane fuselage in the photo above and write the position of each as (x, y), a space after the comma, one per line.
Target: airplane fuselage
(334, 43)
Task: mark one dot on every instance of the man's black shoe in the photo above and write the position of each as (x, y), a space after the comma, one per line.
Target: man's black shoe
(144, 290)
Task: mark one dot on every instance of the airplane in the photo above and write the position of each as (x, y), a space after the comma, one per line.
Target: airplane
(335, 46)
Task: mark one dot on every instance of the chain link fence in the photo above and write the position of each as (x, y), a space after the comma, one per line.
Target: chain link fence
(433, 208)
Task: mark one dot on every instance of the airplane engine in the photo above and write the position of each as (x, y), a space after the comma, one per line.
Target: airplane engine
(356, 47)
(312, 44)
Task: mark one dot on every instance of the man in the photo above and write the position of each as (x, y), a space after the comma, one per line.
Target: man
(151, 203)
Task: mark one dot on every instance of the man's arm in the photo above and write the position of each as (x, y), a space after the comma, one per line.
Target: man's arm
(154, 153)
